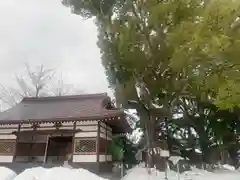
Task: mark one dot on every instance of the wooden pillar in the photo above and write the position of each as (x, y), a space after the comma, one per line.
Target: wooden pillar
(46, 150)
(106, 140)
(73, 139)
(98, 146)
(16, 143)
(30, 158)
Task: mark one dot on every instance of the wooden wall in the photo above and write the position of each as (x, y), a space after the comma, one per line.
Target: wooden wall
(89, 136)
(32, 147)
(7, 143)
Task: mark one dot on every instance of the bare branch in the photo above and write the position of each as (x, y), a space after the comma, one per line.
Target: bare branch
(35, 83)
(62, 89)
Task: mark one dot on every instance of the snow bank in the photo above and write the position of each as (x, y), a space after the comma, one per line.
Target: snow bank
(228, 167)
(61, 173)
(141, 173)
(31, 174)
(6, 174)
(175, 159)
(57, 173)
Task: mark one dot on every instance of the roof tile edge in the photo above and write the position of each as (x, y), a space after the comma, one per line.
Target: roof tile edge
(81, 96)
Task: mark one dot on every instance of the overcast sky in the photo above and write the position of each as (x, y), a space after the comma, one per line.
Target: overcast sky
(45, 32)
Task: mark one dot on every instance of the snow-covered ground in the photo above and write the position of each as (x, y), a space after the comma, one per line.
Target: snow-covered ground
(57, 173)
(141, 173)
(137, 173)
(6, 174)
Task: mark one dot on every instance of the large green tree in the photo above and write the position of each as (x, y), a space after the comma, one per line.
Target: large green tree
(152, 41)
(156, 53)
(203, 126)
(208, 46)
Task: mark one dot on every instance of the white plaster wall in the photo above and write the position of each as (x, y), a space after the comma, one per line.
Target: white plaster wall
(14, 126)
(66, 127)
(46, 128)
(7, 136)
(86, 134)
(26, 125)
(103, 124)
(102, 130)
(109, 157)
(91, 158)
(105, 131)
(86, 123)
(84, 158)
(4, 159)
(104, 136)
(104, 158)
(7, 131)
(87, 128)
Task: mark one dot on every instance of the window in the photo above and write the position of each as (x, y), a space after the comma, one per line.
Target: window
(7, 147)
(85, 146)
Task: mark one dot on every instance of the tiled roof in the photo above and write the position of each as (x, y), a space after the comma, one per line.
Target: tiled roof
(82, 107)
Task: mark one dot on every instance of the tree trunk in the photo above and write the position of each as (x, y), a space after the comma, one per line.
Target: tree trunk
(150, 137)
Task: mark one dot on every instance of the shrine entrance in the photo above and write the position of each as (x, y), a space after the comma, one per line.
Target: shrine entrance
(58, 149)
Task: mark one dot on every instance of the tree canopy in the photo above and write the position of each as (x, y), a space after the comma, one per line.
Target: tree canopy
(172, 57)
(174, 45)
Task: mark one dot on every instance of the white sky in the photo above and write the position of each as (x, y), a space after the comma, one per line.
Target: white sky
(45, 32)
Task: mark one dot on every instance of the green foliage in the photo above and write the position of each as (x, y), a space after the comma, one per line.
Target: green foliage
(164, 45)
(116, 151)
(90, 8)
(210, 48)
(181, 55)
(205, 127)
(122, 149)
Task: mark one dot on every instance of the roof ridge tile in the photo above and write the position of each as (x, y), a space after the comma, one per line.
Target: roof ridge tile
(66, 97)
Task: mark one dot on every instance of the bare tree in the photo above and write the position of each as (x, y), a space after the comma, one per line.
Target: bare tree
(32, 83)
(36, 82)
(60, 88)
(8, 96)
